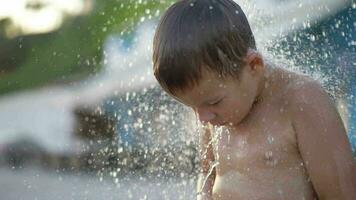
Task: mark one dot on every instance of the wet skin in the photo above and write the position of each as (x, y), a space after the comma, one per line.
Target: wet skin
(275, 141)
(259, 158)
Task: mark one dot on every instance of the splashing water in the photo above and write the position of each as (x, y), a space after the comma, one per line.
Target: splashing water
(217, 133)
(200, 192)
(270, 139)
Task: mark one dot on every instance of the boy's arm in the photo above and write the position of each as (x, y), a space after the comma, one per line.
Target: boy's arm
(323, 143)
(205, 183)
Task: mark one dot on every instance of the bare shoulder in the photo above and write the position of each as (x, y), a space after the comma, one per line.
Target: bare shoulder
(309, 103)
(322, 139)
(303, 91)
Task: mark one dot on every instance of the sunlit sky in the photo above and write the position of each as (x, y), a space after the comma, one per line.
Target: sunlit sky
(25, 19)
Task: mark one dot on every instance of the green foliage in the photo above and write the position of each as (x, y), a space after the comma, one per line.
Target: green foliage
(75, 51)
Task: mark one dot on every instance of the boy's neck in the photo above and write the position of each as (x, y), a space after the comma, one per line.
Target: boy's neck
(265, 84)
(265, 89)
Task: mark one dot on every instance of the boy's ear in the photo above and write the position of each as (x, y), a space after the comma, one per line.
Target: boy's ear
(254, 60)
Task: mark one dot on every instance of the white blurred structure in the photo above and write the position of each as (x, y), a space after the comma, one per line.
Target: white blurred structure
(45, 116)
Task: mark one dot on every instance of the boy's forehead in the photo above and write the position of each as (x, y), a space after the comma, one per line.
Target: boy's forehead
(210, 81)
(208, 87)
(207, 83)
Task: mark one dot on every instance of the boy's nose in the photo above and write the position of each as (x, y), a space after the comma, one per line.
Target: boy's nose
(205, 115)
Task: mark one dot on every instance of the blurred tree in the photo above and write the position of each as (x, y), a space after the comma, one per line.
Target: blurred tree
(75, 50)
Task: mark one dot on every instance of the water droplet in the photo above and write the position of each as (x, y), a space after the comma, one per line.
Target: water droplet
(207, 176)
(270, 139)
(268, 155)
(266, 84)
(312, 37)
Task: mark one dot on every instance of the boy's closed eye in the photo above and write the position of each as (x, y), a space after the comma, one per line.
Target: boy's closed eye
(216, 102)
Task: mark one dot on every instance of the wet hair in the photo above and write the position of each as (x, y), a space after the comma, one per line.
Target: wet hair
(197, 35)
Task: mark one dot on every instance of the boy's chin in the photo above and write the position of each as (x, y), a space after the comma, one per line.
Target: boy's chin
(215, 123)
(222, 124)
(230, 123)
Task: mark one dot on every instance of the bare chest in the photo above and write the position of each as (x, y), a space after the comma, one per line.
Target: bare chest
(268, 143)
(260, 162)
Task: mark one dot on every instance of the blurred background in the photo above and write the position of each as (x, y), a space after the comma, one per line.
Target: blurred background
(81, 116)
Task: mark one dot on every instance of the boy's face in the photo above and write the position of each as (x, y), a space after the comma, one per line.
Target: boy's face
(222, 101)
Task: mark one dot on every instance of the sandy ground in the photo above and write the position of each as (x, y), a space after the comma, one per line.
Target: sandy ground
(40, 184)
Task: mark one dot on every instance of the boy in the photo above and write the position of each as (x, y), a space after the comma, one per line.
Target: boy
(283, 137)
